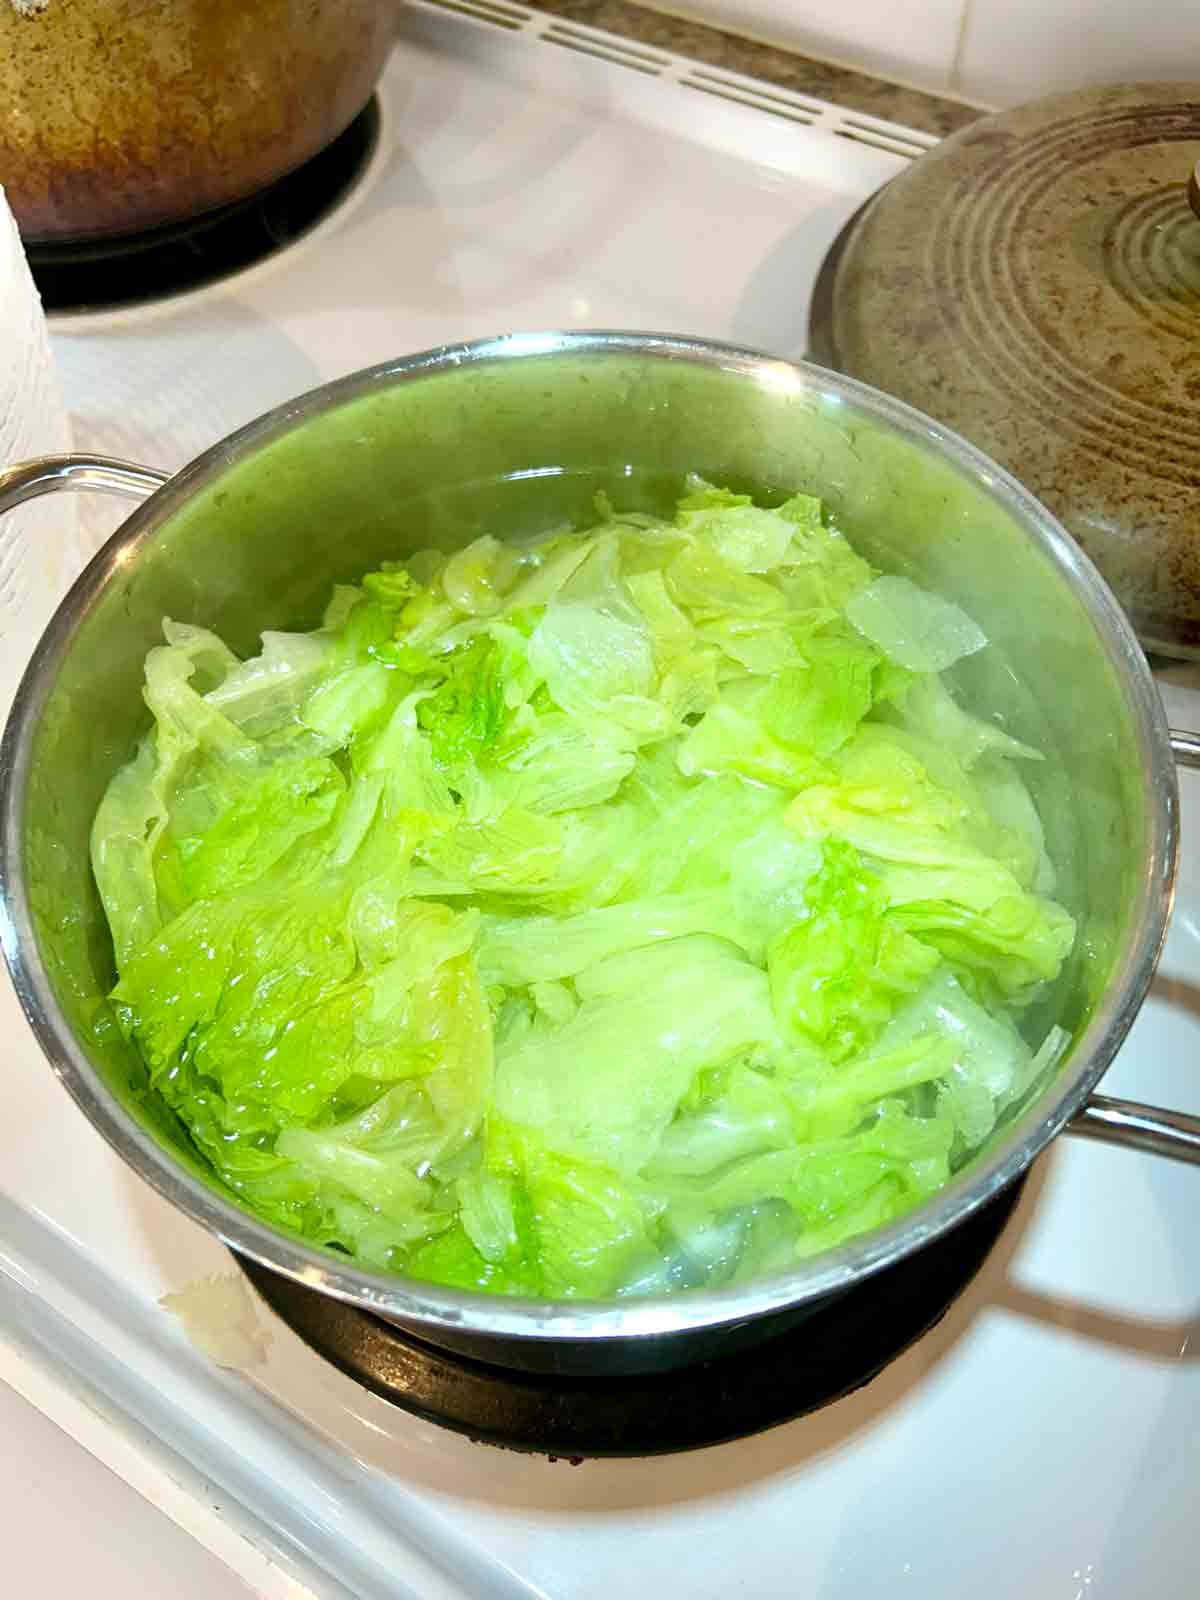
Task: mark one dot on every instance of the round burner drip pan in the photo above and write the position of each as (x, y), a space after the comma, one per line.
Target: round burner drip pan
(125, 270)
(838, 1349)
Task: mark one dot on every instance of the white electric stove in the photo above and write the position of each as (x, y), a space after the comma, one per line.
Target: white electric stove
(1041, 1441)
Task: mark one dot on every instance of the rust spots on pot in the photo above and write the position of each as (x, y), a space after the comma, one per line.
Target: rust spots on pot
(122, 115)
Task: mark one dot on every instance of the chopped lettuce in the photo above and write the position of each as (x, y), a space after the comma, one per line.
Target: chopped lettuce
(560, 1225)
(464, 714)
(625, 913)
(606, 1083)
(920, 630)
(838, 972)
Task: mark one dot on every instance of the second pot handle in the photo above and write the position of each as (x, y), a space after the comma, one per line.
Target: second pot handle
(1174, 1134)
(1161, 1133)
(99, 474)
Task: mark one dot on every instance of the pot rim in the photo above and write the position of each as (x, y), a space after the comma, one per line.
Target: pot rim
(434, 1306)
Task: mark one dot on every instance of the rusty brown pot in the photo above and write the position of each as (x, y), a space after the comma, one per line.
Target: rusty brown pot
(121, 115)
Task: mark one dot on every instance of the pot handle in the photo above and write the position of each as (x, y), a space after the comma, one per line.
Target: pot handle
(1185, 747)
(1162, 1133)
(101, 474)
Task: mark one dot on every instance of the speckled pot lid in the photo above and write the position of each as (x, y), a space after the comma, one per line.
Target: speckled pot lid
(1034, 282)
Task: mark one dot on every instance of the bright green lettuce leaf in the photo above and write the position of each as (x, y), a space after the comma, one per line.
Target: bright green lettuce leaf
(769, 874)
(822, 570)
(992, 1063)
(929, 709)
(193, 746)
(263, 695)
(454, 1259)
(351, 703)
(554, 1000)
(665, 833)
(757, 646)
(334, 1159)
(390, 588)
(836, 1186)
(708, 587)
(402, 754)
(740, 1112)
(936, 882)
(367, 631)
(417, 935)
(274, 1023)
(839, 971)
(464, 715)
(670, 630)
(547, 762)
(739, 533)
(1006, 938)
(807, 515)
(1013, 829)
(597, 665)
(125, 832)
(818, 704)
(518, 679)
(266, 815)
(476, 578)
(547, 567)
(561, 1226)
(830, 1100)
(730, 739)
(516, 853)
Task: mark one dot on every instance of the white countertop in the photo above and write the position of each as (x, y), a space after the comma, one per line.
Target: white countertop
(71, 1526)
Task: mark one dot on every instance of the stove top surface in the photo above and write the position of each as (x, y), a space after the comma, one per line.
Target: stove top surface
(528, 174)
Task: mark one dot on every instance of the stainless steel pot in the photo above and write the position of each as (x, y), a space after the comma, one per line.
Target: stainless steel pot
(517, 434)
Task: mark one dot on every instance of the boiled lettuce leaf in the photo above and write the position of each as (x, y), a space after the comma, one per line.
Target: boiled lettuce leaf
(921, 631)
(463, 716)
(606, 1084)
(923, 843)
(836, 1187)
(743, 535)
(839, 971)
(262, 695)
(559, 1225)
(818, 704)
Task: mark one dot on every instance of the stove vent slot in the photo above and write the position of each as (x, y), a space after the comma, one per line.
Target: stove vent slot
(747, 92)
(605, 47)
(497, 12)
(884, 137)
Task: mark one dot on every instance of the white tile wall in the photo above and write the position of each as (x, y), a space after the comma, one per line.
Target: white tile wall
(990, 52)
(1017, 50)
(915, 41)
